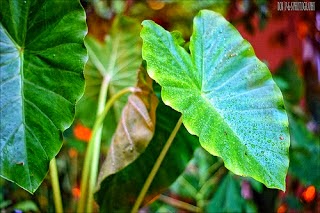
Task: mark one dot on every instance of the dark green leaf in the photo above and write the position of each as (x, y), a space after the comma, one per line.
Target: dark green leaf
(228, 197)
(42, 59)
(226, 95)
(290, 82)
(119, 191)
(194, 182)
(304, 153)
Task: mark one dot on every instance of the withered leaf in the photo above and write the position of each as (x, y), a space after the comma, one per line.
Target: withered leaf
(135, 128)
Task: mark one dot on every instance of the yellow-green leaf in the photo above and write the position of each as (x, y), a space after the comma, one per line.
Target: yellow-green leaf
(226, 95)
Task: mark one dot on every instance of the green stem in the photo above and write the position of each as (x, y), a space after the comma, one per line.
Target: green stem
(88, 158)
(179, 204)
(55, 186)
(96, 140)
(91, 163)
(156, 167)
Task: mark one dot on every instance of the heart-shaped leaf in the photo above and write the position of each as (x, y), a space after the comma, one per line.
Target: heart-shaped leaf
(226, 95)
(42, 59)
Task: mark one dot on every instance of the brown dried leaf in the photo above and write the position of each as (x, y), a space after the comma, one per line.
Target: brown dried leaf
(135, 128)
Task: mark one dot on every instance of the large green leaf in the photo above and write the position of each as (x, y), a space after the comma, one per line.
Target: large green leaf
(226, 95)
(42, 59)
(119, 191)
(116, 61)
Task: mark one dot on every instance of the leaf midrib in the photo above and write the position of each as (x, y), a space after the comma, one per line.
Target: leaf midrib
(21, 53)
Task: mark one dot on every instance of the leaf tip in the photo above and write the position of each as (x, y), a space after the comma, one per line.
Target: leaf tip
(145, 23)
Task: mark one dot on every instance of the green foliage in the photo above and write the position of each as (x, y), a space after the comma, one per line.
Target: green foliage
(305, 145)
(197, 180)
(228, 197)
(290, 82)
(42, 59)
(207, 182)
(128, 182)
(135, 129)
(115, 61)
(26, 206)
(226, 95)
(304, 153)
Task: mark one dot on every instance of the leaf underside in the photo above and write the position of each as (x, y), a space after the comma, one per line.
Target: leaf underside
(226, 95)
(117, 61)
(42, 59)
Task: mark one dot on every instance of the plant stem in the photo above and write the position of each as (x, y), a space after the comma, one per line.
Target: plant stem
(88, 158)
(156, 167)
(179, 204)
(96, 137)
(90, 170)
(55, 186)
(95, 141)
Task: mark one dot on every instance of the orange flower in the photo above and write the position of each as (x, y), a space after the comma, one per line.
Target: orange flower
(302, 29)
(282, 208)
(76, 192)
(309, 194)
(81, 132)
(72, 153)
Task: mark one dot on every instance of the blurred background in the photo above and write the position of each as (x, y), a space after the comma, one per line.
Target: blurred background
(287, 41)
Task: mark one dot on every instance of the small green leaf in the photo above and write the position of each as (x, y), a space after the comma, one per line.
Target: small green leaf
(228, 197)
(42, 59)
(26, 206)
(226, 95)
(198, 173)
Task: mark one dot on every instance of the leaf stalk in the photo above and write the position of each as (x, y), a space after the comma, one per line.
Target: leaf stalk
(91, 164)
(179, 204)
(156, 167)
(55, 186)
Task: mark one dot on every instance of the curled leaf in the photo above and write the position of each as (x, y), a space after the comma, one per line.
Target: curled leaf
(135, 129)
